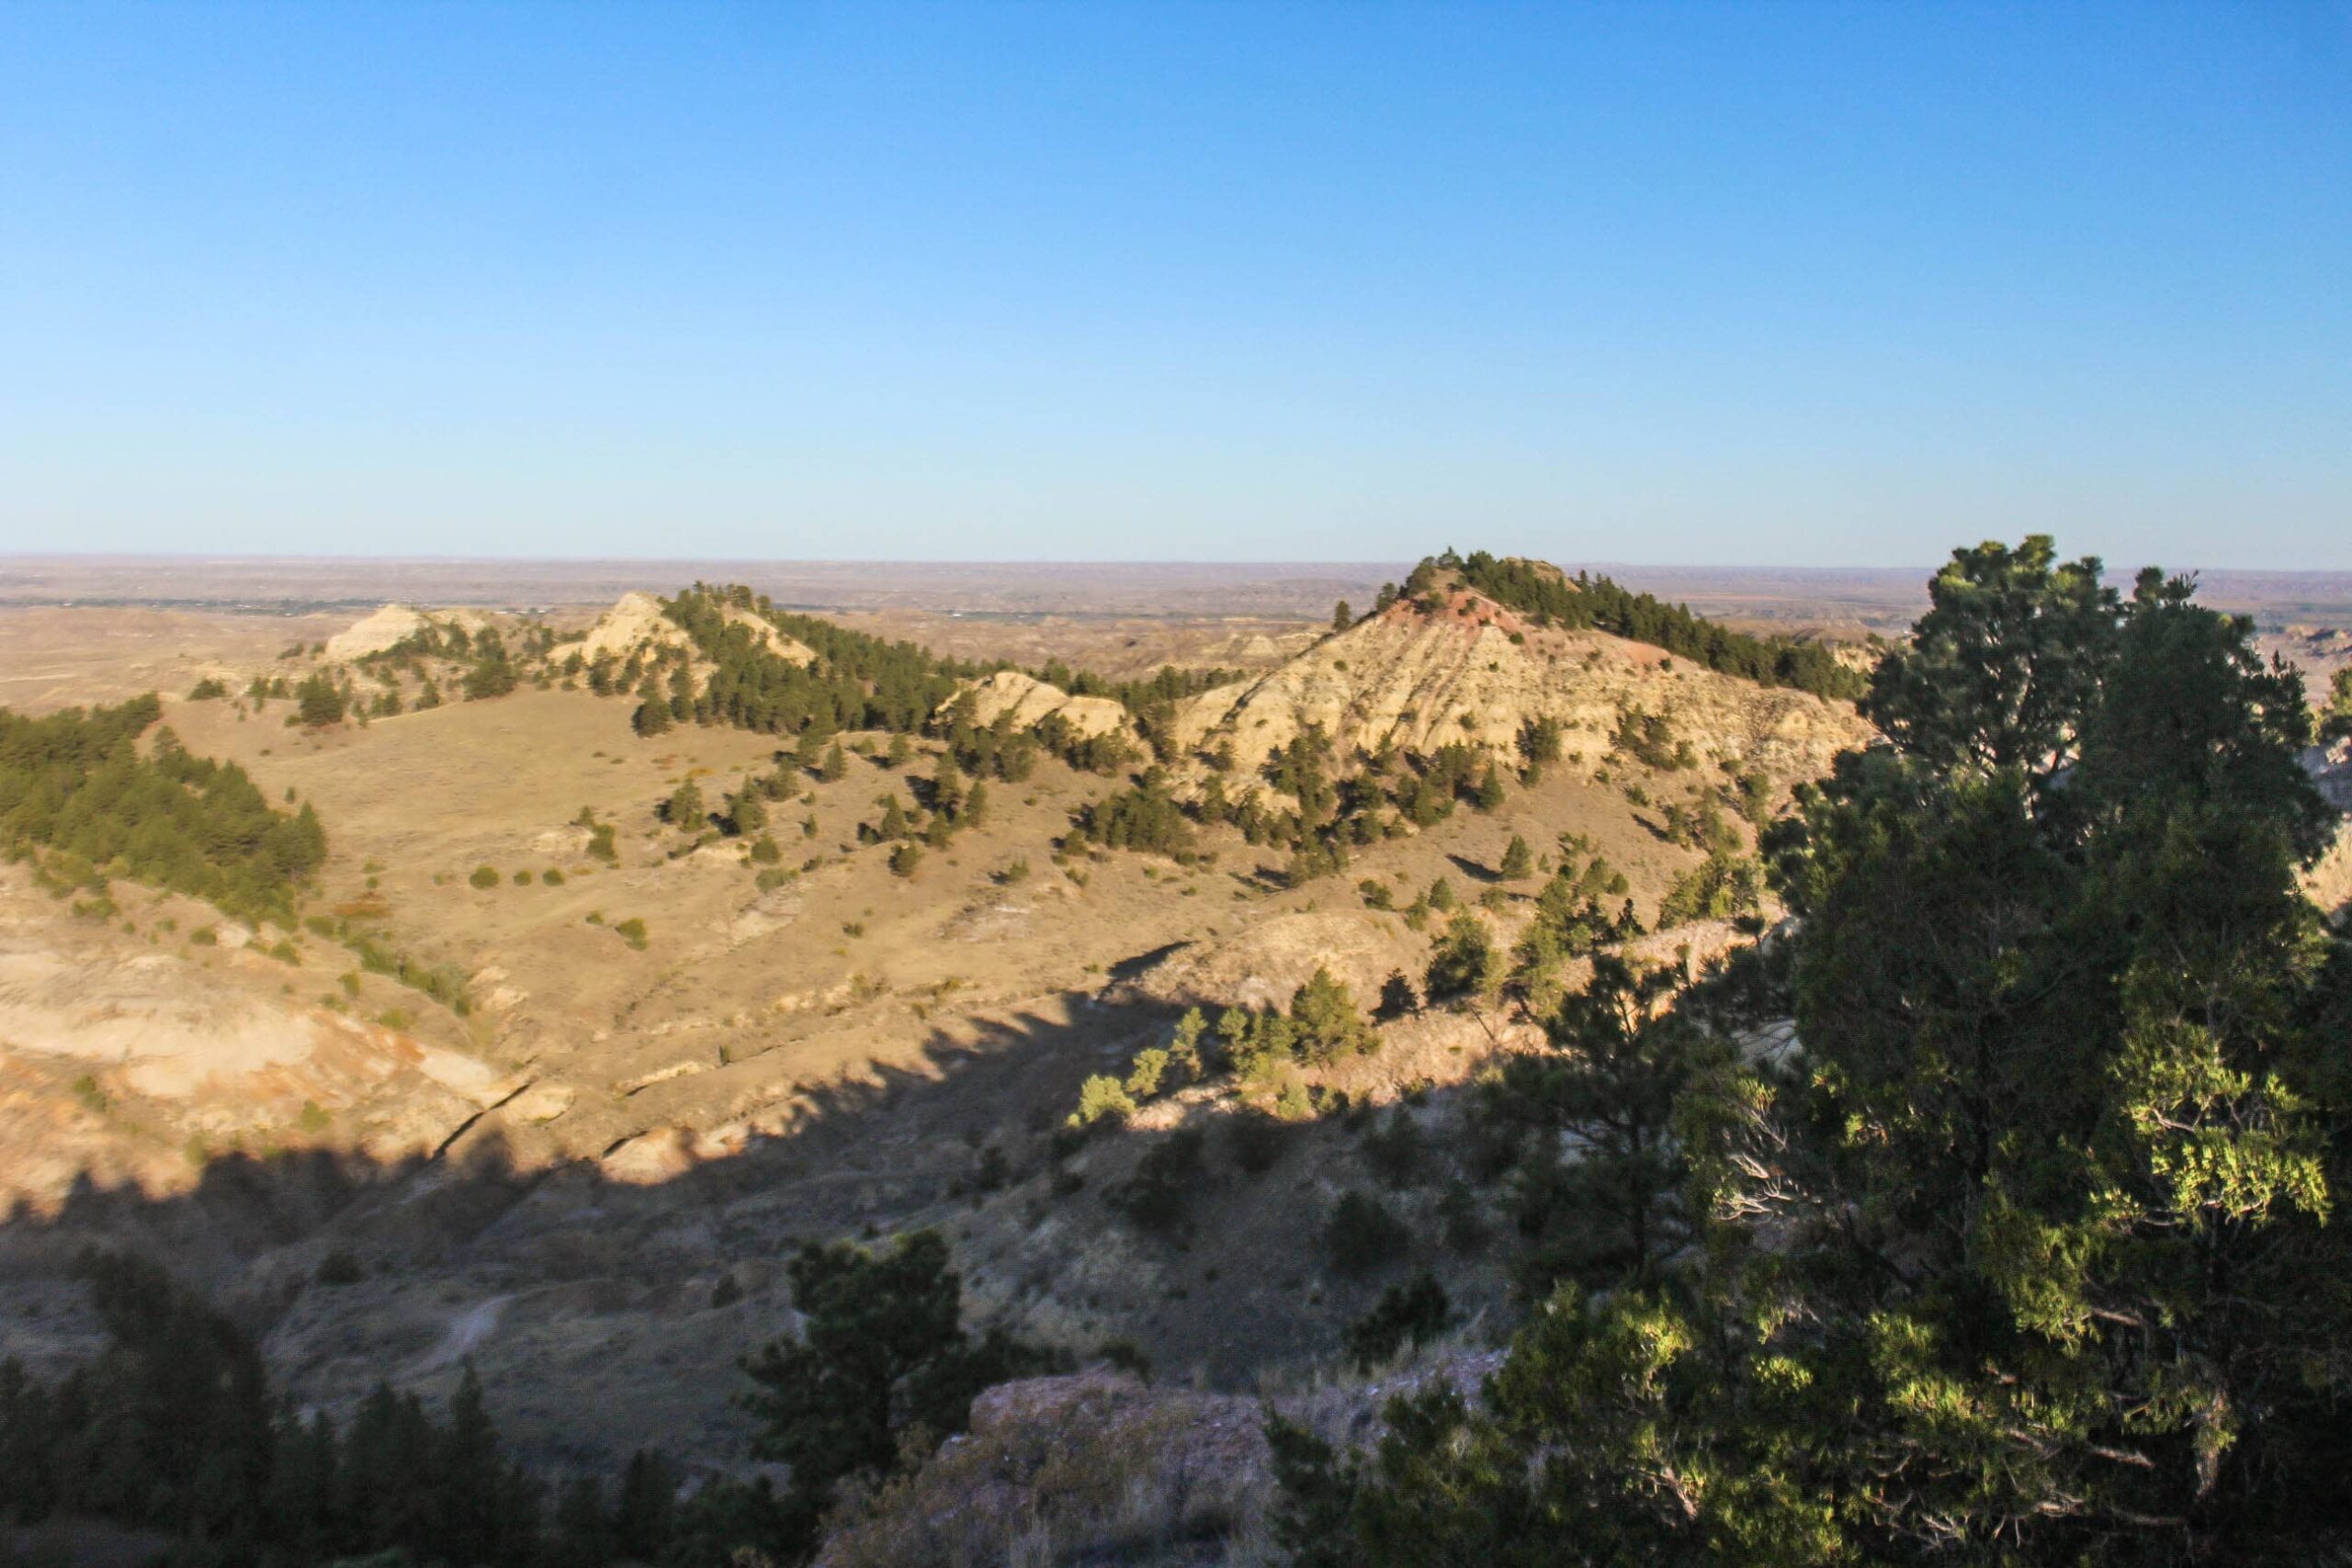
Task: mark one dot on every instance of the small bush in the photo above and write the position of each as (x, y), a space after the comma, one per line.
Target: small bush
(632, 931)
(339, 1267)
(1157, 1196)
(1412, 1313)
(1100, 1097)
(484, 876)
(1256, 1141)
(1362, 1235)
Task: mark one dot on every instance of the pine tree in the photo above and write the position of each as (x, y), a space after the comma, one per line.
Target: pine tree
(684, 809)
(1519, 861)
(1341, 618)
(836, 764)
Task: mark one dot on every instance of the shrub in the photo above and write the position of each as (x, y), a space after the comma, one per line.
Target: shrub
(1362, 1235)
(484, 876)
(1466, 961)
(1415, 1313)
(339, 1267)
(1256, 1141)
(1166, 1176)
(1394, 1150)
(904, 859)
(1099, 1097)
(632, 931)
(551, 877)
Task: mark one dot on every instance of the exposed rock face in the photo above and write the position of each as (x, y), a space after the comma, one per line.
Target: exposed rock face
(635, 622)
(116, 1057)
(373, 633)
(1030, 700)
(1475, 672)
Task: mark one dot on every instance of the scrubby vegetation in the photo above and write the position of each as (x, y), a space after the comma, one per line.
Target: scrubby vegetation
(75, 783)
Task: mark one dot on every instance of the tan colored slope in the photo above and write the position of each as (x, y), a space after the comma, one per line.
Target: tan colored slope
(1030, 700)
(635, 622)
(121, 1050)
(1475, 672)
(373, 632)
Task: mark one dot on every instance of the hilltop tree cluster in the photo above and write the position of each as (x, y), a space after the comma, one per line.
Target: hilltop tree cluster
(1548, 597)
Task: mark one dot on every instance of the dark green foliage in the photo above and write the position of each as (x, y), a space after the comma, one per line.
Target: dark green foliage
(171, 1427)
(1620, 1064)
(1723, 884)
(1412, 1313)
(1395, 1148)
(2003, 669)
(1341, 616)
(1362, 1235)
(882, 1353)
(1465, 961)
(651, 717)
(484, 876)
(1546, 594)
(2030, 1256)
(74, 781)
(2336, 719)
(1158, 1195)
(319, 702)
(1397, 998)
(905, 859)
(1517, 860)
(1490, 789)
(1649, 739)
(209, 690)
(1144, 817)
(746, 812)
(684, 809)
(857, 681)
(1326, 1019)
(1256, 1141)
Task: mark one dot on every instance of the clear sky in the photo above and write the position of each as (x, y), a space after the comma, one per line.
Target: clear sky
(1710, 283)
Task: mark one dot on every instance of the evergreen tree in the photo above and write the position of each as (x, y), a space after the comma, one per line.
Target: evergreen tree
(1341, 616)
(1490, 789)
(746, 812)
(1465, 961)
(836, 764)
(319, 702)
(1397, 998)
(881, 1351)
(684, 809)
(1519, 861)
(1324, 1011)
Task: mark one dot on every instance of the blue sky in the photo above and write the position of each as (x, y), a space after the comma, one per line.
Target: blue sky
(1660, 283)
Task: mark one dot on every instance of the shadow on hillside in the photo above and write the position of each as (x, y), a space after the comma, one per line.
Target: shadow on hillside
(863, 1155)
(606, 1301)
